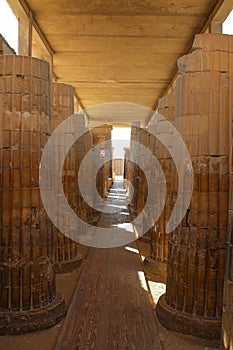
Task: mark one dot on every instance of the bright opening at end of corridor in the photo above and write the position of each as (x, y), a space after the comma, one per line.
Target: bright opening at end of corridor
(120, 142)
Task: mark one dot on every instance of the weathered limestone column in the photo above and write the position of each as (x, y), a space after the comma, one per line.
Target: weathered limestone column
(196, 259)
(142, 182)
(227, 325)
(84, 146)
(102, 134)
(67, 256)
(227, 317)
(89, 211)
(156, 262)
(142, 190)
(137, 178)
(28, 297)
(134, 169)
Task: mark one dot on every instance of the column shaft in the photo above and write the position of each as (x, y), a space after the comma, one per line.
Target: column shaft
(67, 256)
(156, 262)
(196, 260)
(28, 298)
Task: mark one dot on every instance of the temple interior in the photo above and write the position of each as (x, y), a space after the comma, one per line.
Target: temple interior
(116, 175)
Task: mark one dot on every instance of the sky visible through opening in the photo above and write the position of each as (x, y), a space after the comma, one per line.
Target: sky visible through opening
(228, 24)
(8, 25)
(120, 140)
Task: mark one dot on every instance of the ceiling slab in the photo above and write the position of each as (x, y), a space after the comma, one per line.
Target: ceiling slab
(116, 7)
(116, 51)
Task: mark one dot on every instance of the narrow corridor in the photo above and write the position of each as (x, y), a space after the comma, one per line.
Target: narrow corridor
(89, 91)
(110, 307)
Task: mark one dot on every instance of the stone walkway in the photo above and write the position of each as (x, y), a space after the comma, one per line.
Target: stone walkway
(110, 307)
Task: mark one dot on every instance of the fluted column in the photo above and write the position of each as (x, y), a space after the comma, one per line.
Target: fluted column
(197, 247)
(83, 146)
(142, 182)
(142, 190)
(156, 262)
(90, 216)
(133, 168)
(28, 297)
(101, 134)
(67, 256)
(227, 317)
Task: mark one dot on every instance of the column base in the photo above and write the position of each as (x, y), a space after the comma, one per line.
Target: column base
(68, 265)
(157, 270)
(132, 211)
(145, 238)
(110, 183)
(95, 218)
(93, 221)
(207, 328)
(18, 322)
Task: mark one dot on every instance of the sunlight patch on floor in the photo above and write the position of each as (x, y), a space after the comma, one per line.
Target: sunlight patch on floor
(134, 250)
(130, 249)
(125, 226)
(156, 289)
(142, 280)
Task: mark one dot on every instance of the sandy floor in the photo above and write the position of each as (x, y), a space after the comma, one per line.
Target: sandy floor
(66, 284)
(46, 339)
(170, 339)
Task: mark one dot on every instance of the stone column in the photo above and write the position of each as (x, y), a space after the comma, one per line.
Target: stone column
(196, 259)
(28, 297)
(126, 164)
(67, 256)
(101, 134)
(227, 325)
(142, 182)
(227, 317)
(156, 262)
(90, 216)
(134, 169)
(84, 146)
(142, 190)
